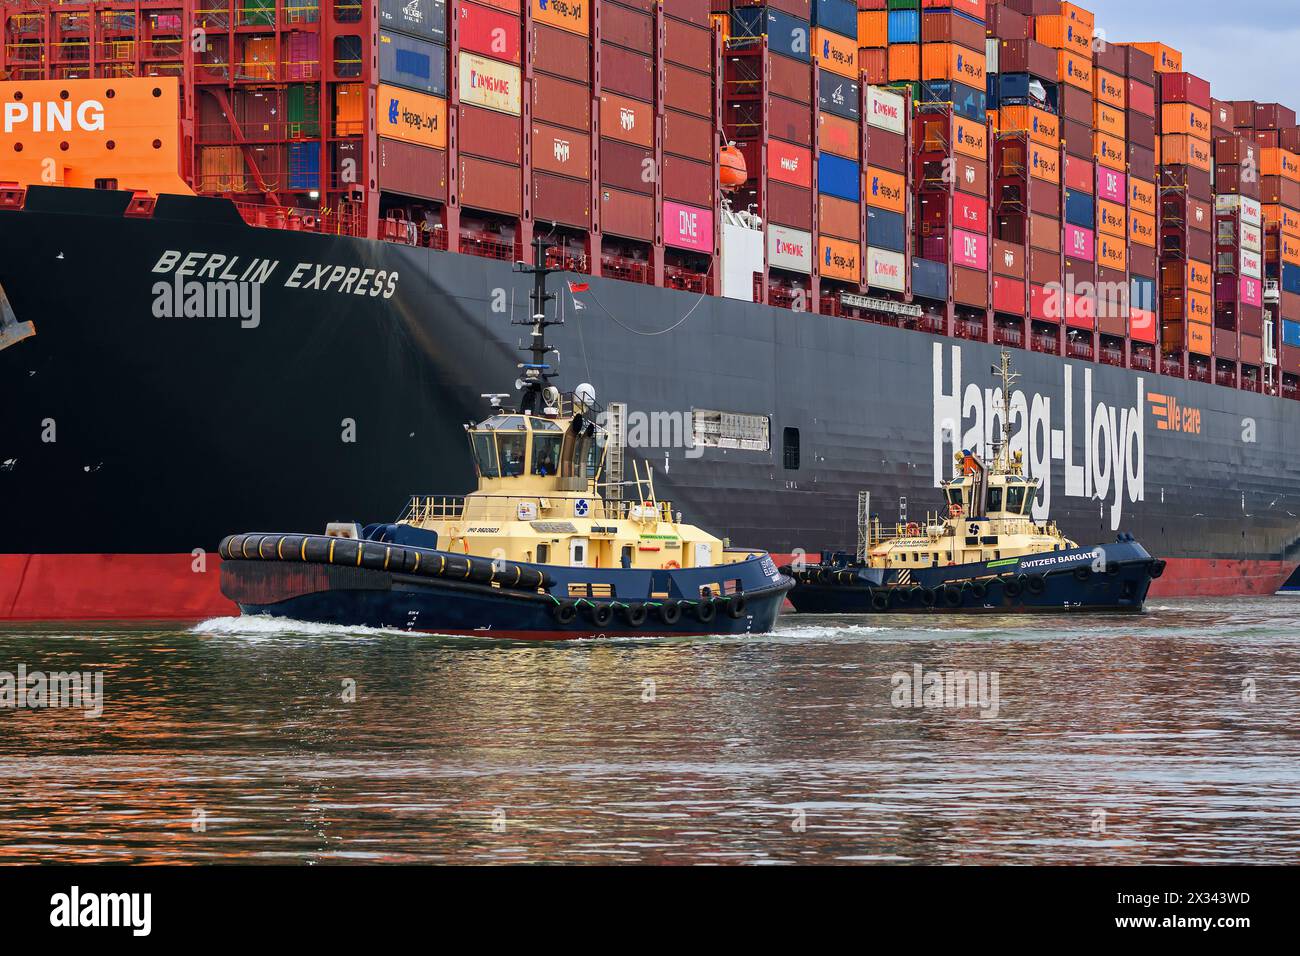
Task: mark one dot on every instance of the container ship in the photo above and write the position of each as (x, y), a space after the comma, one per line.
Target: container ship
(256, 253)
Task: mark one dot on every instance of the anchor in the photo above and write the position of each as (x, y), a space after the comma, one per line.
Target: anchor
(11, 330)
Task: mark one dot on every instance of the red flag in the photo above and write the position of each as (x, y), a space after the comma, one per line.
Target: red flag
(578, 286)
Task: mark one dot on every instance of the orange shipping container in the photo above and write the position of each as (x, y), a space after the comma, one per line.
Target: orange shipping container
(949, 61)
(1287, 219)
(1109, 151)
(873, 28)
(1108, 119)
(835, 53)
(1042, 126)
(1185, 118)
(1111, 89)
(838, 217)
(1200, 337)
(1075, 69)
(1279, 162)
(1168, 60)
(413, 117)
(838, 135)
(1180, 150)
(1045, 164)
(1112, 253)
(970, 139)
(571, 16)
(1142, 229)
(1290, 249)
(1142, 196)
(886, 190)
(1199, 277)
(1061, 33)
(1112, 218)
(904, 61)
(840, 259)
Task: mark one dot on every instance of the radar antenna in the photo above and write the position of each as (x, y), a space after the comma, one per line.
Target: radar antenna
(1002, 447)
(536, 374)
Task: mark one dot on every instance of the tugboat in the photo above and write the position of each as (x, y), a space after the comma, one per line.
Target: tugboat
(549, 546)
(984, 552)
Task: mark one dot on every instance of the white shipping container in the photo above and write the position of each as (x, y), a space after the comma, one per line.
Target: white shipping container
(1252, 264)
(886, 270)
(991, 47)
(489, 84)
(1252, 211)
(789, 248)
(885, 110)
(1251, 238)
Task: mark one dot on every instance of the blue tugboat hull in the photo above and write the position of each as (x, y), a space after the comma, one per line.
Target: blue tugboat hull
(349, 586)
(1109, 578)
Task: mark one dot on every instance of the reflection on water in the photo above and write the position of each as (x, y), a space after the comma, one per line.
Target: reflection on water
(1118, 740)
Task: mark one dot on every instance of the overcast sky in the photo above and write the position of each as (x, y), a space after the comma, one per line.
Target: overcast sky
(1247, 49)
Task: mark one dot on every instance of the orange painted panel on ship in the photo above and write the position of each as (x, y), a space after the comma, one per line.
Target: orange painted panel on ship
(1042, 126)
(886, 190)
(627, 120)
(873, 28)
(836, 53)
(1112, 218)
(1142, 196)
(838, 135)
(1045, 164)
(1168, 60)
(123, 112)
(1112, 252)
(1200, 337)
(1182, 150)
(1111, 89)
(1279, 162)
(1185, 118)
(951, 61)
(410, 116)
(571, 15)
(1075, 69)
(1142, 229)
(840, 259)
(1109, 151)
(904, 61)
(1108, 119)
(970, 139)
(349, 109)
(788, 163)
(1199, 277)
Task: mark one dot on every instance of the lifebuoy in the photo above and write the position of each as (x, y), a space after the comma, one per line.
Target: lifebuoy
(955, 510)
(671, 566)
(913, 529)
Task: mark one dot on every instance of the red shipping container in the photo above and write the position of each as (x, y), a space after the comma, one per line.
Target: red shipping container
(627, 167)
(623, 71)
(563, 151)
(1252, 350)
(688, 45)
(1008, 295)
(627, 120)
(1045, 233)
(970, 287)
(563, 200)
(789, 205)
(1141, 98)
(838, 217)
(687, 135)
(411, 170)
(874, 64)
(561, 102)
(837, 135)
(688, 181)
(972, 175)
(627, 214)
(687, 90)
(490, 134)
(1078, 174)
(886, 149)
(560, 52)
(1009, 259)
(697, 11)
(494, 187)
(970, 213)
(626, 27)
(1185, 88)
(1044, 266)
(491, 33)
(787, 163)
(1044, 198)
(1273, 116)
(790, 121)
(790, 78)
(945, 26)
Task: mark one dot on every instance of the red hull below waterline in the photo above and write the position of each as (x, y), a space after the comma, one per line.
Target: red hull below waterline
(178, 587)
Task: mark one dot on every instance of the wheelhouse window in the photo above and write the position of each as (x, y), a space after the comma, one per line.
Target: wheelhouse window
(1016, 499)
(546, 453)
(513, 448)
(995, 499)
(485, 454)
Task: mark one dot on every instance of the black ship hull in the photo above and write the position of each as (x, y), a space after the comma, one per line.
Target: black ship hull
(136, 436)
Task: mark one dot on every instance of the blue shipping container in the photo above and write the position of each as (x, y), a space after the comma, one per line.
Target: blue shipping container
(840, 177)
(886, 230)
(838, 16)
(1080, 210)
(785, 34)
(1014, 87)
(967, 102)
(1291, 333)
(1290, 278)
(304, 166)
(839, 95)
(1142, 294)
(904, 26)
(421, 18)
(416, 64)
(930, 279)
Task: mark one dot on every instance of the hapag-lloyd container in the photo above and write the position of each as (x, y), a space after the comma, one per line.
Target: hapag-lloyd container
(571, 15)
(885, 270)
(886, 190)
(688, 227)
(838, 259)
(414, 117)
(970, 249)
(789, 248)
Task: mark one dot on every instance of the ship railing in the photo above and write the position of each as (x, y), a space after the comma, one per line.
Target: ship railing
(629, 270)
(1141, 360)
(1042, 342)
(1112, 356)
(1225, 377)
(972, 329)
(328, 222)
(1199, 373)
(1078, 348)
(1290, 391)
(488, 246)
(504, 508)
(1171, 366)
(1008, 335)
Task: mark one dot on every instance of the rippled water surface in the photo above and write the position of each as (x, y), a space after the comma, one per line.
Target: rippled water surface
(1117, 739)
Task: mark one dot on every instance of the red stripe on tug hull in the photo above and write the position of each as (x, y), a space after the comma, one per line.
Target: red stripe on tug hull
(1193, 577)
(110, 587)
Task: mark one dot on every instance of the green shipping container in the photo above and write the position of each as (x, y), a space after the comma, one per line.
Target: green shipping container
(304, 112)
(259, 13)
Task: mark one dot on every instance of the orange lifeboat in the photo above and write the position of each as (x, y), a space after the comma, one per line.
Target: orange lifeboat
(731, 168)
